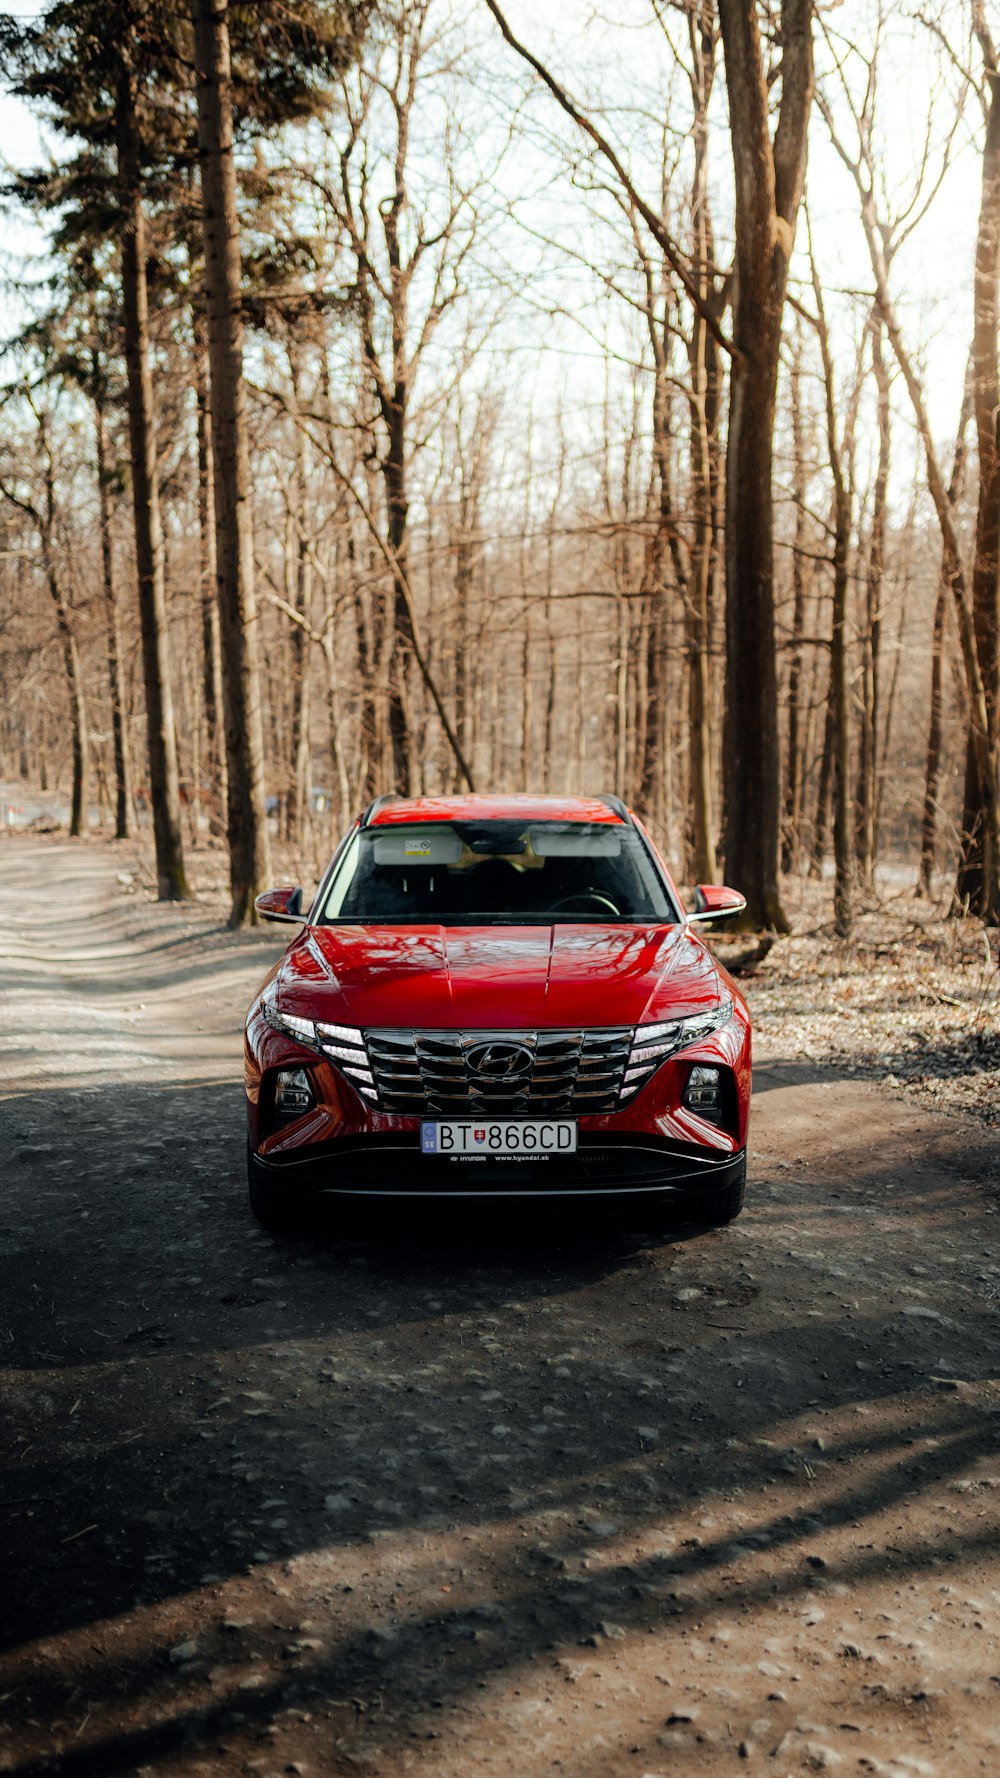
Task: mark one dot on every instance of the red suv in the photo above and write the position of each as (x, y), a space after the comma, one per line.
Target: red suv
(498, 997)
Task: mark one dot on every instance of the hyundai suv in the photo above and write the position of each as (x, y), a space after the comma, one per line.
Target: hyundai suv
(498, 998)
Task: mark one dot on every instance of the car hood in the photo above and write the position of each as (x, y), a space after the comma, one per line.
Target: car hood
(501, 977)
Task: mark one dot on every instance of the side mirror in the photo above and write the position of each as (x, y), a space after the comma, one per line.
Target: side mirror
(281, 904)
(713, 902)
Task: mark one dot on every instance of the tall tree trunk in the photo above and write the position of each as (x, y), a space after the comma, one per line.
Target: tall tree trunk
(623, 653)
(890, 705)
(978, 879)
(551, 643)
(649, 791)
(301, 599)
(79, 734)
(618, 521)
(528, 754)
(769, 179)
(866, 836)
(249, 849)
(164, 784)
(791, 838)
(701, 346)
(366, 598)
(116, 676)
(928, 825)
(464, 553)
(843, 850)
(649, 788)
(301, 805)
(393, 399)
(341, 797)
(822, 822)
(213, 695)
(397, 510)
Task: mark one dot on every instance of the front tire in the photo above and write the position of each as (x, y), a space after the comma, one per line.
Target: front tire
(272, 1205)
(724, 1206)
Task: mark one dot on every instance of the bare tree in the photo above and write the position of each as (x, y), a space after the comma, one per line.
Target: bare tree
(43, 515)
(883, 239)
(978, 880)
(791, 838)
(249, 852)
(116, 676)
(407, 275)
(213, 691)
(843, 851)
(932, 773)
(164, 781)
(871, 628)
(769, 181)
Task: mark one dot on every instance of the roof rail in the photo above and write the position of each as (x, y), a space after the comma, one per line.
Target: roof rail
(379, 802)
(620, 808)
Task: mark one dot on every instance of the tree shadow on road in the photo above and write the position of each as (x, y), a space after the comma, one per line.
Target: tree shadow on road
(198, 1413)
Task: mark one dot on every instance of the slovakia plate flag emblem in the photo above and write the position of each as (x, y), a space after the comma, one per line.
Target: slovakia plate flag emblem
(480, 1135)
(429, 1139)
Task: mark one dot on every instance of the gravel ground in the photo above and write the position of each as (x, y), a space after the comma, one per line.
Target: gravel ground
(476, 1499)
(913, 1000)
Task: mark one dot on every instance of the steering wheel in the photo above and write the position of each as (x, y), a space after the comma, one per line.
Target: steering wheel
(590, 895)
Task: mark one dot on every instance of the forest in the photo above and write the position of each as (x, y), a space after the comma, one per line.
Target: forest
(488, 1318)
(410, 395)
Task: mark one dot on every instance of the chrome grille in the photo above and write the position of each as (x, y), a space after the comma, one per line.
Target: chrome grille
(452, 1073)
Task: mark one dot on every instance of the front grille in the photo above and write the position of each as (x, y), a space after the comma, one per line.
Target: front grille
(498, 1073)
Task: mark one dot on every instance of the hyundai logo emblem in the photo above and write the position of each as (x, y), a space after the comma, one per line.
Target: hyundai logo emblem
(500, 1061)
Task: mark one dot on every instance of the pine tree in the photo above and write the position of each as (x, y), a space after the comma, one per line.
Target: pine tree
(118, 77)
(275, 75)
(99, 71)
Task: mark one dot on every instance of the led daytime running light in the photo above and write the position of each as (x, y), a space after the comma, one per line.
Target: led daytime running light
(651, 1049)
(310, 1032)
(341, 1033)
(651, 1044)
(290, 1022)
(317, 1036)
(343, 1054)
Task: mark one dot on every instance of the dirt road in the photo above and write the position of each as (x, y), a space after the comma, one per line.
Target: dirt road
(586, 1502)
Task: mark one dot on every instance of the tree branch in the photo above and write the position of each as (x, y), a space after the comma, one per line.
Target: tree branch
(654, 223)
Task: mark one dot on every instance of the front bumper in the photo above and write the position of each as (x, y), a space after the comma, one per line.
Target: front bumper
(606, 1167)
(653, 1150)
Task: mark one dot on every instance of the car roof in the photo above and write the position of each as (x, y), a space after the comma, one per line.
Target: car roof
(386, 812)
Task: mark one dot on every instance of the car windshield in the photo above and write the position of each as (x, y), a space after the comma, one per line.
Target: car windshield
(460, 873)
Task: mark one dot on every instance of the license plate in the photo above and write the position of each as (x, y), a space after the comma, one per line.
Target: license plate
(469, 1139)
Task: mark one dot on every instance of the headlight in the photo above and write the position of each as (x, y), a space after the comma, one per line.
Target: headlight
(652, 1044)
(344, 1044)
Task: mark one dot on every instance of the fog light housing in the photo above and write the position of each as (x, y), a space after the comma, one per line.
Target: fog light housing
(703, 1092)
(293, 1094)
